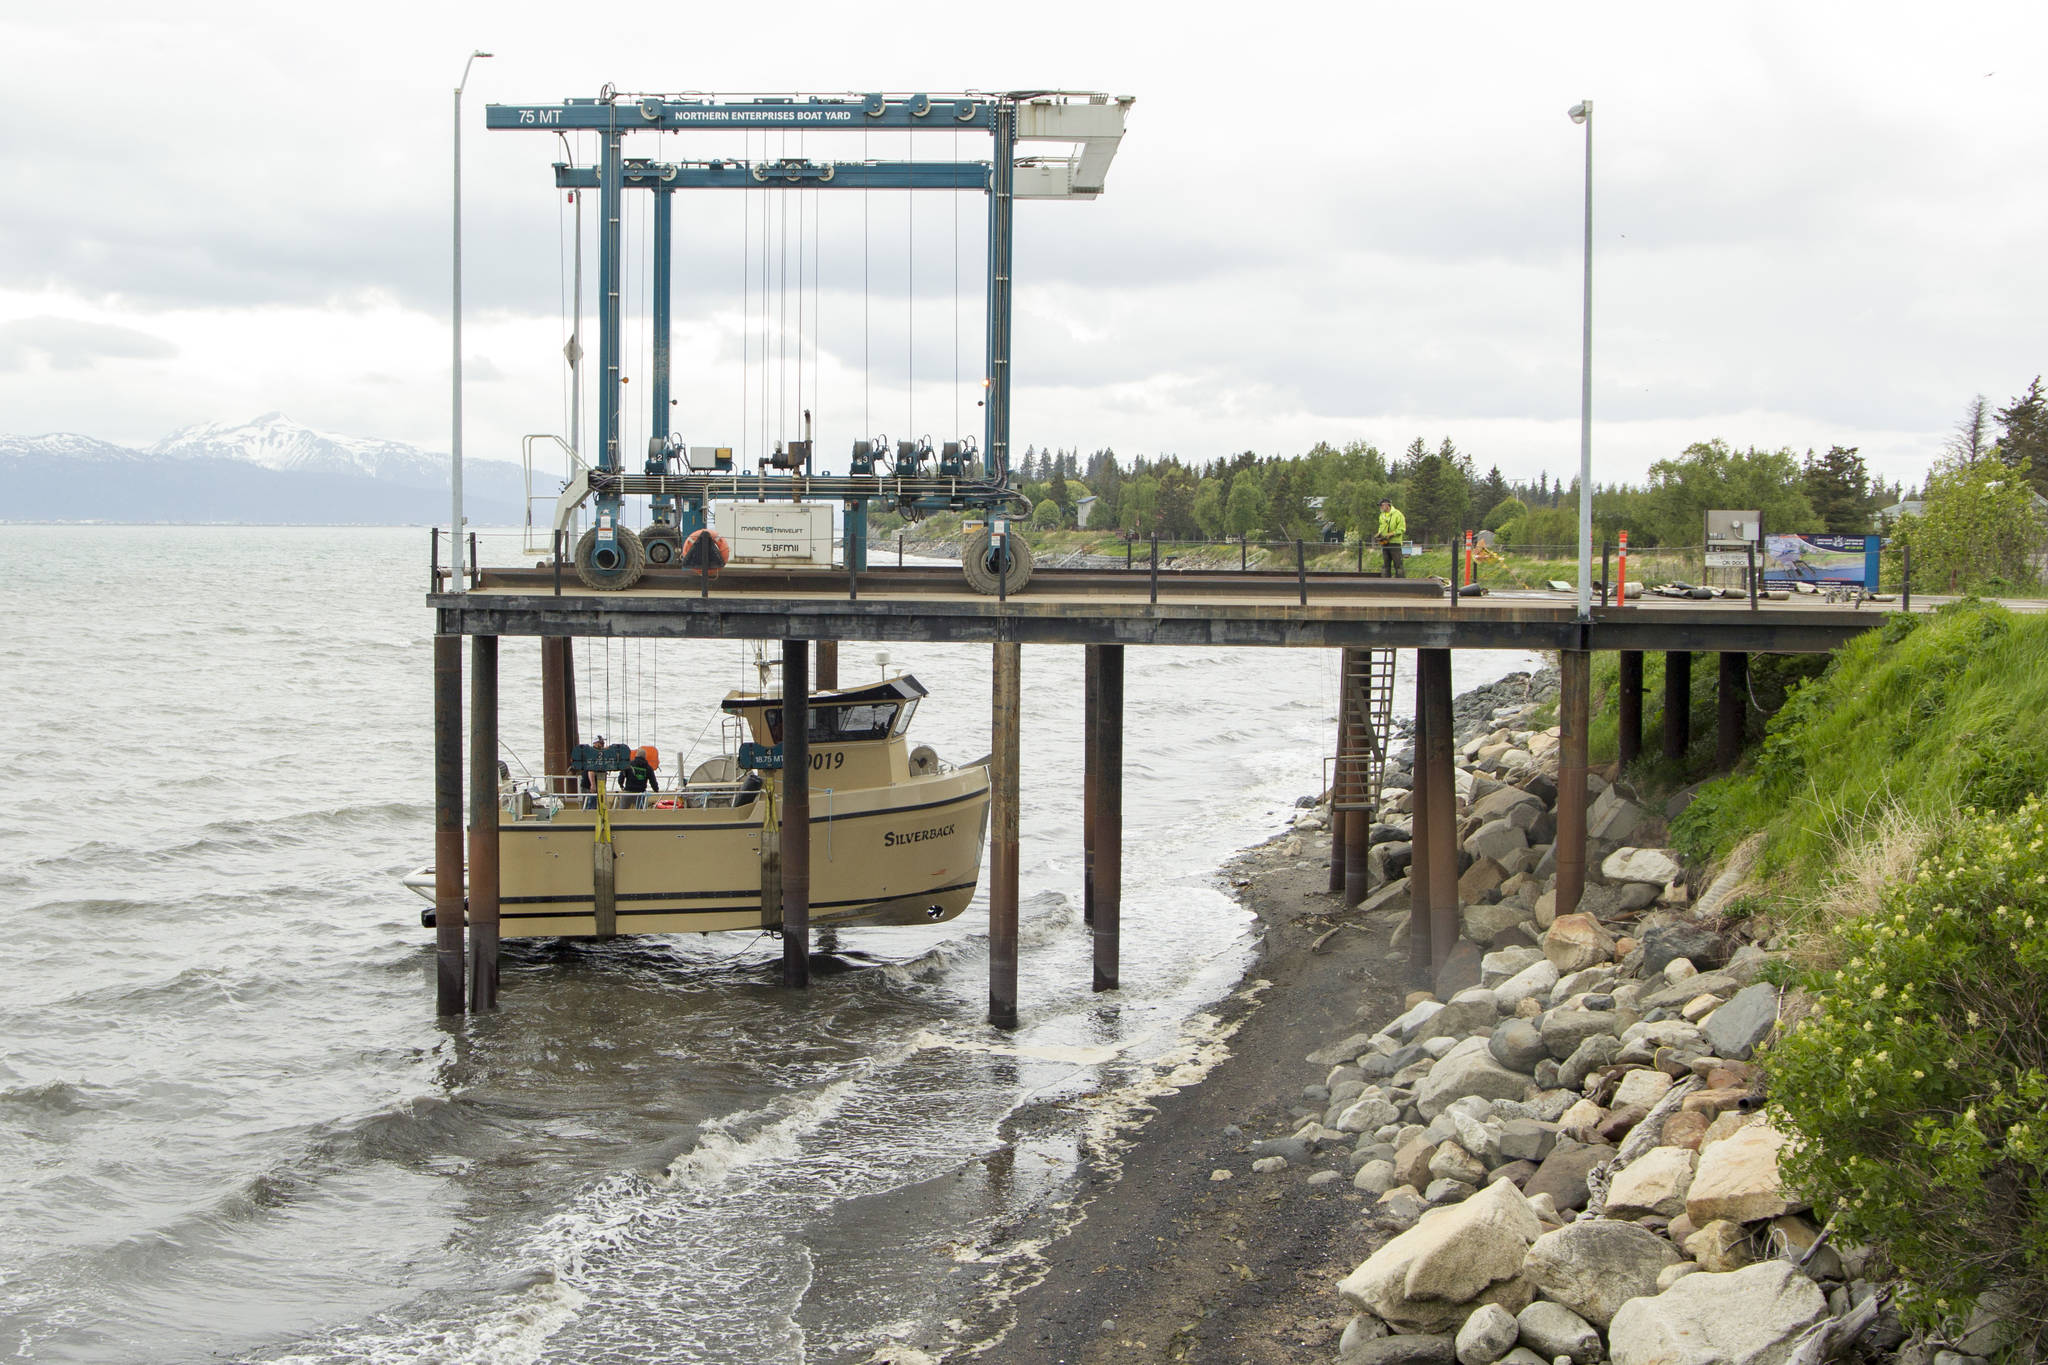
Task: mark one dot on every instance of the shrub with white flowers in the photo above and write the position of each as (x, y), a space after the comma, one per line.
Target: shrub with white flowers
(1917, 1096)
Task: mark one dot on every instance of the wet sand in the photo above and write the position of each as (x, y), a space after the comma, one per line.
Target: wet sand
(1170, 1265)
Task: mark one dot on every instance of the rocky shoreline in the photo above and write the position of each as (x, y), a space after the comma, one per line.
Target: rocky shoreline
(1558, 1154)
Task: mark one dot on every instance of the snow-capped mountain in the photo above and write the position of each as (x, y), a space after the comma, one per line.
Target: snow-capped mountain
(66, 445)
(275, 441)
(270, 470)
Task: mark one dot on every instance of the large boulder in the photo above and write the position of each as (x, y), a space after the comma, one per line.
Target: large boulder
(1403, 1350)
(1737, 1027)
(1551, 1330)
(1487, 1335)
(1753, 1316)
(1613, 817)
(1563, 1030)
(1533, 982)
(1563, 1174)
(1518, 1045)
(1575, 942)
(1658, 866)
(1595, 1266)
(1653, 1185)
(1511, 804)
(1466, 1013)
(1482, 924)
(1431, 1277)
(1468, 1069)
(1694, 942)
(1738, 1179)
(1496, 840)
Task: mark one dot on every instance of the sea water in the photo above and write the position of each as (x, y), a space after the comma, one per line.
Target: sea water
(230, 1126)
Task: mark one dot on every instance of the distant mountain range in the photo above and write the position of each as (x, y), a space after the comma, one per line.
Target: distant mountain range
(271, 470)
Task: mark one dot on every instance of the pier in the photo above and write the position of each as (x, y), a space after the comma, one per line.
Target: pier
(1103, 611)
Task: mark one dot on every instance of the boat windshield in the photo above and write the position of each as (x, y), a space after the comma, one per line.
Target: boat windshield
(845, 724)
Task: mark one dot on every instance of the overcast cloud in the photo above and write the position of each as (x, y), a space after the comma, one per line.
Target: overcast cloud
(1813, 224)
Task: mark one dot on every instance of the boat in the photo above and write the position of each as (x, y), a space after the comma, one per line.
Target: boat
(896, 833)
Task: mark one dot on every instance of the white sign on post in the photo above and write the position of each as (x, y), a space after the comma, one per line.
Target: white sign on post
(776, 532)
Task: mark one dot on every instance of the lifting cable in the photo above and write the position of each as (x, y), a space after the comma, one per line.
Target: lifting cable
(867, 428)
(746, 293)
(910, 297)
(956, 293)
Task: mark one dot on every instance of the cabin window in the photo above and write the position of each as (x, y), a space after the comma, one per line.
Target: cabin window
(843, 723)
(903, 716)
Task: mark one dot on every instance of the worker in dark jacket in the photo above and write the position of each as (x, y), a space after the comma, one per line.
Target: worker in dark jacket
(1390, 533)
(642, 774)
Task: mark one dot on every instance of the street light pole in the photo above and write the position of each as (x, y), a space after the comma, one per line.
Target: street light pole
(1582, 112)
(455, 579)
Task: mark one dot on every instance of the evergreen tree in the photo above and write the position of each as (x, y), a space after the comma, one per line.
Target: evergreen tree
(1838, 486)
(1492, 491)
(2024, 440)
(1058, 488)
(1971, 440)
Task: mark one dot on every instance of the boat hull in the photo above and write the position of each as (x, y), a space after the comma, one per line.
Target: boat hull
(908, 853)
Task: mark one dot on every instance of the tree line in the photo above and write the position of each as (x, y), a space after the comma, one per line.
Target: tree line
(1333, 492)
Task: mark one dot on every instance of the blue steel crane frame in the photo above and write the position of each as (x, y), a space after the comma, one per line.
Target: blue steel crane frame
(613, 118)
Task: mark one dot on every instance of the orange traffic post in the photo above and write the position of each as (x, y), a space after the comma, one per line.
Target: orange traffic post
(1621, 575)
(1468, 559)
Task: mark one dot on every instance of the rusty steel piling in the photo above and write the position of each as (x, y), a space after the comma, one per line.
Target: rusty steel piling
(1434, 666)
(1677, 703)
(1630, 717)
(1091, 771)
(483, 823)
(449, 994)
(1575, 669)
(1109, 821)
(796, 814)
(1005, 747)
(1419, 840)
(1734, 686)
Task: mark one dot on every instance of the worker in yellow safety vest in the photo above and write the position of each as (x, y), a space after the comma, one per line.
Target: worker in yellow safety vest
(1393, 529)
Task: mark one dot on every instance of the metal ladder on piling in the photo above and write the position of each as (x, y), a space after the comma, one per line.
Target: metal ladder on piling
(1366, 710)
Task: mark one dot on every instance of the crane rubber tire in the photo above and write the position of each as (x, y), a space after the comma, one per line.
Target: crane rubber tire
(663, 545)
(978, 562)
(620, 576)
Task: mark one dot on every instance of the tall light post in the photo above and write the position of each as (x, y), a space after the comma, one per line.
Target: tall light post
(1582, 112)
(455, 578)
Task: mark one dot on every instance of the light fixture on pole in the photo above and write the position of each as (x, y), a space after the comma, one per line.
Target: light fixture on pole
(1582, 112)
(455, 578)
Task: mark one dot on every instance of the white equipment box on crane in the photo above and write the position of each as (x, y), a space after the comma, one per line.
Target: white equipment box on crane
(776, 532)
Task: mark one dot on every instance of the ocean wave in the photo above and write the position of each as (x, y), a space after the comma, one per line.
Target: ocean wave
(56, 1098)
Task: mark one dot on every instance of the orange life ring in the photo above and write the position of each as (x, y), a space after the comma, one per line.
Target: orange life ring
(705, 544)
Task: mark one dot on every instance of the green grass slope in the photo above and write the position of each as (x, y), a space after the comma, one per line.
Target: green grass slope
(1909, 725)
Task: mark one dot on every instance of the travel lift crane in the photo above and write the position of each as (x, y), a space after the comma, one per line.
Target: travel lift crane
(910, 478)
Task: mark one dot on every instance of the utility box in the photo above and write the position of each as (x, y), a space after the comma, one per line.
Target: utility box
(1732, 537)
(776, 532)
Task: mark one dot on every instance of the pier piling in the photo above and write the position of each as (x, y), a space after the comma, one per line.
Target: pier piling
(1434, 666)
(828, 666)
(1729, 711)
(1631, 706)
(1419, 839)
(1109, 818)
(1340, 791)
(1574, 705)
(483, 823)
(1357, 842)
(1005, 746)
(1677, 703)
(796, 813)
(449, 996)
(558, 709)
(1091, 771)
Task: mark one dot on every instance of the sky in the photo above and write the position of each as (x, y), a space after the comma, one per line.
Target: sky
(1814, 224)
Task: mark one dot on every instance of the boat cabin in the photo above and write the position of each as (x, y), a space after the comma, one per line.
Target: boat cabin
(857, 734)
